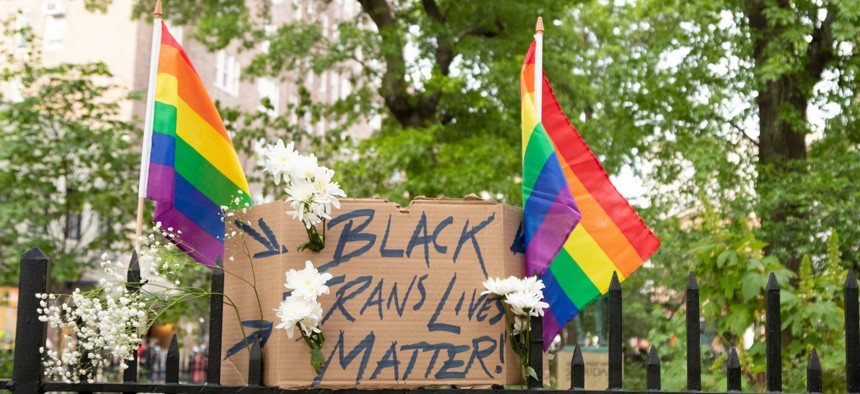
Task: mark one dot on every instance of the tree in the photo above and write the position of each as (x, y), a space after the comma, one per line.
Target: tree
(452, 106)
(707, 101)
(67, 173)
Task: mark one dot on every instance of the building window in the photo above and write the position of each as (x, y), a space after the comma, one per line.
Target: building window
(227, 71)
(294, 105)
(270, 31)
(73, 226)
(297, 10)
(55, 32)
(267, 88)
(22, 22)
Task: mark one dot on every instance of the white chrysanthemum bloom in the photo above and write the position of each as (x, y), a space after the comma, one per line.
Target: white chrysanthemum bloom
(297, 309)
(301, 190)
(304, 167)
(307, 283)
(279, 159)
(519, 325)
(525, 303)
(502, 287)
(310, 324)
(531, 284)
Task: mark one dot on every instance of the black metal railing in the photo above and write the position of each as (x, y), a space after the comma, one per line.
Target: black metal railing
(27, 375)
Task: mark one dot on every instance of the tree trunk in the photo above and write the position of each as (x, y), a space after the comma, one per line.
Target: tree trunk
(780, 144)
(782, 139)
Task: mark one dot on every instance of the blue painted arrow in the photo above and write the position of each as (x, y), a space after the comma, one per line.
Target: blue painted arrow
(518, 246)
(270, 241)
(265, 330)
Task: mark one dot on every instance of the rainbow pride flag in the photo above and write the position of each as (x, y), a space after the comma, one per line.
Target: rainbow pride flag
(610, 236)
(193, 167)
(549, 210)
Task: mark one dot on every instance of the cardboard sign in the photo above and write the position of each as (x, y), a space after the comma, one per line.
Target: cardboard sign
(405, 308)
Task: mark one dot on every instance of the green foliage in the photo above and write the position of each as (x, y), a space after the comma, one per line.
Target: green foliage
(675, 90)
(66, 179)
(733, 274)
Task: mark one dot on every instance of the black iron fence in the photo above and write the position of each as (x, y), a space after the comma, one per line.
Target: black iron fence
(27, 376)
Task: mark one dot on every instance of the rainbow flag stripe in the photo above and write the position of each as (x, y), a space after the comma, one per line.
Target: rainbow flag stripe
(193, 167)
(549, 210)
(609, 238)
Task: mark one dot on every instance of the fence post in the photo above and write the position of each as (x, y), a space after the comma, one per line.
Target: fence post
(615, 351)
(133, 286)
(577, 370)
(852, 334)
(29, 334)
(171, 374)
(813, 373)
(216, 314)
(694, 336)
(255, 364)
(733, 372)
(773, 323)
(536, 351)
(653, 369)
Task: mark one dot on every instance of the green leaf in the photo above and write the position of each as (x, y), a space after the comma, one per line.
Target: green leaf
(530, 372)
(317, 359)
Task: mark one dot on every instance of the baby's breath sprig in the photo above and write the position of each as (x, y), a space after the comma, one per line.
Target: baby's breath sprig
(105, 325)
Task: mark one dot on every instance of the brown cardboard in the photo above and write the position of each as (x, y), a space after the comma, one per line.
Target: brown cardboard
(443, 333)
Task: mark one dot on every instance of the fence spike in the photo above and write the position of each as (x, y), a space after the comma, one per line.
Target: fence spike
(536, 351)
(813, 373)
(615, 350)
(216, 312)
(694, 335)
(27, 364)
(133, 276)
(653, 369)
(255, 364)
(852, 334)
(733, 371)
(577, 370)
(132, 285)
(172, 363)
(773, 323)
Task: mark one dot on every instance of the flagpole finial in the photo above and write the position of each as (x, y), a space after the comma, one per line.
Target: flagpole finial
(539, 26)
(157, 13)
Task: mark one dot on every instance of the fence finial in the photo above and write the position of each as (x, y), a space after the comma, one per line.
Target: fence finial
(616, 359)
(653, 369)
(32, 280)
(577, 370)
(813, 373)
(172, 363)
(255, 364)
(216, 314)
(733, 370)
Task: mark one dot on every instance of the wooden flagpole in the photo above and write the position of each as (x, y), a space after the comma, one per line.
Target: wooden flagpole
(539, 67)
(147, 122)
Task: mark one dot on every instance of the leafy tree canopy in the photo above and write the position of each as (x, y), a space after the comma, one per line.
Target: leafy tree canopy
(66, 168)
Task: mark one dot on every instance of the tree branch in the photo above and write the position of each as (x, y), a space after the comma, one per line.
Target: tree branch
(484, 31)
(820, 49)
(741, 131)
(432, 10)
(393, 89)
